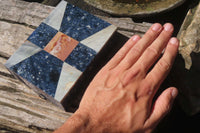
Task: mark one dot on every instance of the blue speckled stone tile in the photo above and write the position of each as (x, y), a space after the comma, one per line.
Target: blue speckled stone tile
(79, 24)
(81, 57)
(42, 35)
(57, 71)
(42, 70)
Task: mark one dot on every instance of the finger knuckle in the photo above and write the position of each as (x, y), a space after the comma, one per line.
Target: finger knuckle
(166, 108)
(163, 65)
(151, 34)
(129, 75)
(120, 55)
(136, 50)
(152, 51)
(146, 89)
(126, 63)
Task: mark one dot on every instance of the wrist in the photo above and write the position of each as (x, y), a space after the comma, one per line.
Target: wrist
(78, 123)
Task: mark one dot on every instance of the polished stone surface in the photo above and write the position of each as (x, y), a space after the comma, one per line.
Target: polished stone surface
(97, 40)
(81, 57)
(61, 46)
(67, 79)
(79, 24)
(55, 17)
(42, 35)
(42, 70)
(59, 51)
(26, 50)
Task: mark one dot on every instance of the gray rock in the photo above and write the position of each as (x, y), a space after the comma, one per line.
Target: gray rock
(133, 8)
(189, 36)
(186, 72)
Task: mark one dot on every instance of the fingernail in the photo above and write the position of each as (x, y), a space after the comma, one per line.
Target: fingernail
(168, 27)
(173, 41)
(135, 38)
(174, 92)
(156, 27)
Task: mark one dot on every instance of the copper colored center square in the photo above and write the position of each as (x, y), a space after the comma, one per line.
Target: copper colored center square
(61, 46)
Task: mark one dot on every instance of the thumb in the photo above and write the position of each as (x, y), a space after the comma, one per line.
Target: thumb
(161, 107)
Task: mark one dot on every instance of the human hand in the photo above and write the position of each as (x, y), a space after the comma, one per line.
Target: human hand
(119, 98)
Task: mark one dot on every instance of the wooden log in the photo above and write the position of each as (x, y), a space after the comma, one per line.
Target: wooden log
(12, 36)
(30, 15)
(25, 13)
(21, 109)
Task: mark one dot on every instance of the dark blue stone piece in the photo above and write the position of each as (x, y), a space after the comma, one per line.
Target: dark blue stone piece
(42, 35)
(42, 70)
(81, 57)
(80, 24)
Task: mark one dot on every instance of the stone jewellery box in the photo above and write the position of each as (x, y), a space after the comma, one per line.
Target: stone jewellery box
(59, 51)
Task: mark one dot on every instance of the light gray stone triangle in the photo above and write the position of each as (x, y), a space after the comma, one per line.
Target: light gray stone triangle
(26, 50)
(67, 79)
(56, 16)
(97, 40)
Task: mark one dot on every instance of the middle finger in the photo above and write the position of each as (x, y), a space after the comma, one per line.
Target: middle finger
(152, 53)
(136, 51)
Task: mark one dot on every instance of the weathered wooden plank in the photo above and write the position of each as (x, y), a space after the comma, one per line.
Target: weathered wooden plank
(9, 81)
(21, 109)
(127, 24)
(18, 11)
(32, 14)
(12, 36)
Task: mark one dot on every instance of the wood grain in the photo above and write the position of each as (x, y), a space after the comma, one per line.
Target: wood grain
(21, 109)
